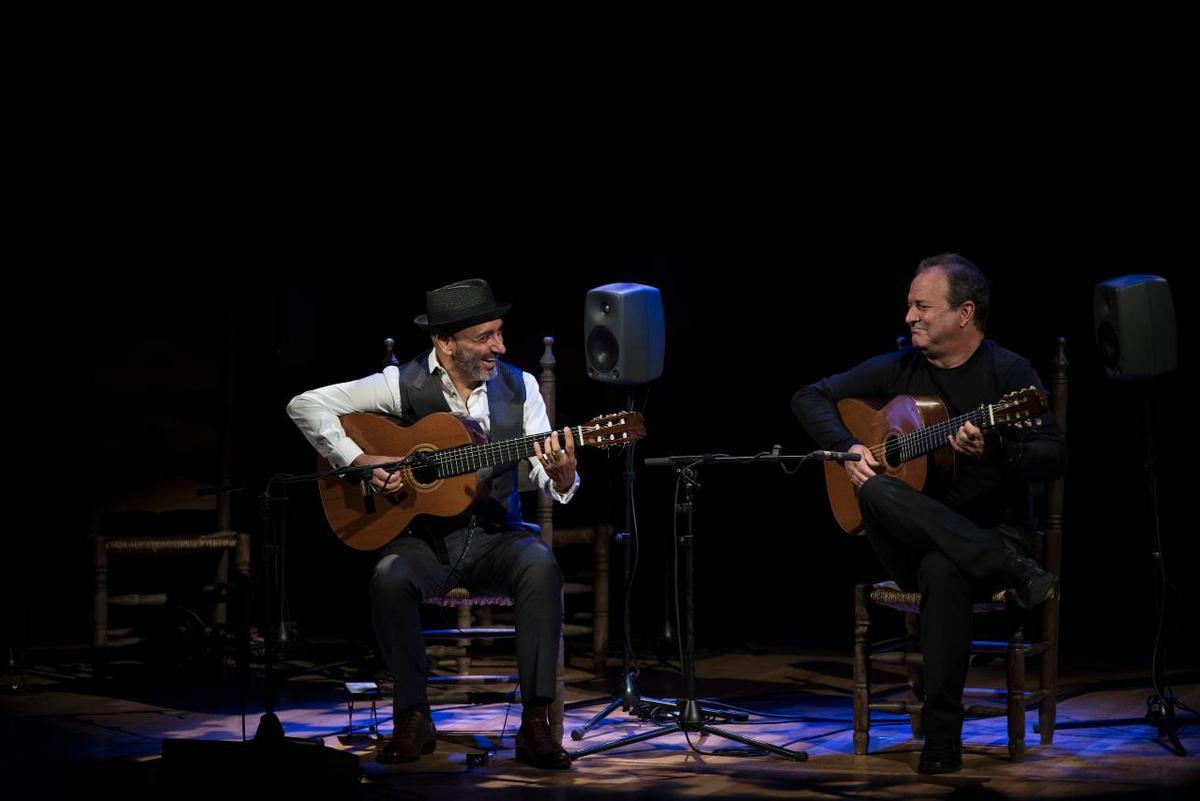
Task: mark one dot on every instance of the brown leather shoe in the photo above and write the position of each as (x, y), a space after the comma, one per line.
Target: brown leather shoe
(413, 734)
(536, 746)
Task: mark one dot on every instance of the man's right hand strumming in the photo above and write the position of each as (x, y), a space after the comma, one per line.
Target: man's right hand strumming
(861, 470)
(381, 482)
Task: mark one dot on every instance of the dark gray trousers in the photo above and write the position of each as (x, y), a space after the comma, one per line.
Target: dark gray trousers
(497, 561)
(928, 547)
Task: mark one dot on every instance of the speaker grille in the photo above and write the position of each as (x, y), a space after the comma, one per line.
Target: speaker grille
(602, 348)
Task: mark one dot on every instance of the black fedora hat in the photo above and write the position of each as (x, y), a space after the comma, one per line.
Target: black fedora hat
(461, 304)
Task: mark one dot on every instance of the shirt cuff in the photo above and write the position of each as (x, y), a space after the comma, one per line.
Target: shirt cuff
(344, 453)
(563, 497)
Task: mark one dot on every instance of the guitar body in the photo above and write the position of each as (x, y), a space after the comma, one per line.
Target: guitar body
(454, 471)
(347, 509)
(874, 423)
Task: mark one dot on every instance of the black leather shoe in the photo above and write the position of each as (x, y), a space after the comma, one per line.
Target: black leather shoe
(941, 756)
(413, 734)
(1030, 584)
(536, 746)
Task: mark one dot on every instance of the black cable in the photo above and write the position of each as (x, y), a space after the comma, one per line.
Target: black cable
(635, 550)
(793, 471)
(1159, 673)
(675, 543)
(678, 623)
(675, 564)
(454, 576)
(504, 725)
(280, 562)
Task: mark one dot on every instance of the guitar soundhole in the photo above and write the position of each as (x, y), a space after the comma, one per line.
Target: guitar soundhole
(425, 474)
(422, 474)
(891, 451)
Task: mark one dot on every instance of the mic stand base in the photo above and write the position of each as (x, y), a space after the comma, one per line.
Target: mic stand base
(690, 714)
(269, 728)
(691, 722)
(1160, 713)
(650, 708)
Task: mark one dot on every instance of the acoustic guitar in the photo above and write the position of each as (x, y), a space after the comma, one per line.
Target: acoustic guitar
(448, 464)
(910, 427)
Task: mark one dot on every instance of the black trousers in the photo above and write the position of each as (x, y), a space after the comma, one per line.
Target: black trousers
(928, 547)
(487, 560)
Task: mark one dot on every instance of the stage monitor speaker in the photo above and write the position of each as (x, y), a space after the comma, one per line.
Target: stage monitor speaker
(624, 333)
(1135, 326)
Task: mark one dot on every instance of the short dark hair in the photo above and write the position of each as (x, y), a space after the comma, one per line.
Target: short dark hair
(967, 282)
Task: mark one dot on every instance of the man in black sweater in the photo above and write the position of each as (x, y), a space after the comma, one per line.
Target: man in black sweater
(977, 534)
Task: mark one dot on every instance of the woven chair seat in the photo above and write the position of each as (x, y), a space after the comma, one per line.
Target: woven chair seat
(461, 596)
(218, 541)
(889, 594)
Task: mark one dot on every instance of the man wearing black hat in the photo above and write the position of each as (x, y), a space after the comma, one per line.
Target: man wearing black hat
(489, 548)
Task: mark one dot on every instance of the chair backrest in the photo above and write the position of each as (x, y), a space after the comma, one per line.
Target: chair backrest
(165, 507)
(163, 495)
(548, 387)
(1051, 515)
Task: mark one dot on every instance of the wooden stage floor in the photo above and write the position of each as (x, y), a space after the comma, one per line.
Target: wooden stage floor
(60, 733)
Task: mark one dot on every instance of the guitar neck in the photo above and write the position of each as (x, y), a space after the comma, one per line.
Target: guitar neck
(927, 440)
(472, 458)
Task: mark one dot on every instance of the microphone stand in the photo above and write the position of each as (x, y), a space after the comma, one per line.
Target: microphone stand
(627, 698)
(270, 753)
(689, 715)
(274, 528)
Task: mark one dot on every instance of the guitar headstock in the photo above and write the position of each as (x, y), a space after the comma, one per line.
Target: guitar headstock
(608, 430)
(1019, 407)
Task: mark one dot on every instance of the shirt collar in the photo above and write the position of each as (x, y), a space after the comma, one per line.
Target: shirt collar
(434, 364)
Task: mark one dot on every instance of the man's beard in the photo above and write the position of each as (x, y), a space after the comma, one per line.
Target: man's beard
(470, 366)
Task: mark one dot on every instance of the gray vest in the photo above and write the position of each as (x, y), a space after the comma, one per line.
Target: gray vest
(421, 395)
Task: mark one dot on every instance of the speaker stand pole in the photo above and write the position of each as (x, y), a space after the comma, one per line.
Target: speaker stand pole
(1161, 704)
(628, 700)
(690, 717)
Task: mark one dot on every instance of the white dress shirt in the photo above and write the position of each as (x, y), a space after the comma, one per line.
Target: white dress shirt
(316, 414)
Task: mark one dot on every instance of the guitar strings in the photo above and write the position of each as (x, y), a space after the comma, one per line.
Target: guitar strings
(463, 457)
(936, 434)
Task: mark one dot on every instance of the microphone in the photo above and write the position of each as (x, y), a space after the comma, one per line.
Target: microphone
(836, 456)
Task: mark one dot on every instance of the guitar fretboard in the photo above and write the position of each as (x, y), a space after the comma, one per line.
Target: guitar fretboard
(918, 443)
(472, 458)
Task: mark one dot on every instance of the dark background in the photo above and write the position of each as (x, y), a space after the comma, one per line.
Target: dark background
(275, 246)
(753, 311)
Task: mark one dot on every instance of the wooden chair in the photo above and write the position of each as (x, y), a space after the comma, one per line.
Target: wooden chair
(1015, 650)
(163, 520)
(597, 537)
(476, 615)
